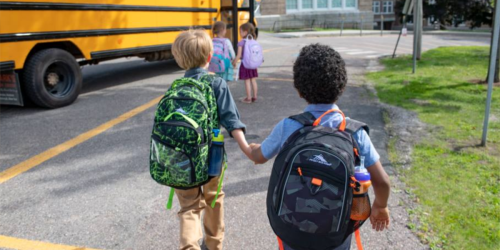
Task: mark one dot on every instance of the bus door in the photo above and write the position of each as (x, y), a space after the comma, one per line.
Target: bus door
(234, 13)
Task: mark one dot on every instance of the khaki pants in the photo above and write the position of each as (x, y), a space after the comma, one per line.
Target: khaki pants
(193, 202)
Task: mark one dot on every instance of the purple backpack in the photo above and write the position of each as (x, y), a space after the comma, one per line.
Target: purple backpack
(252, 54)
(220, 57)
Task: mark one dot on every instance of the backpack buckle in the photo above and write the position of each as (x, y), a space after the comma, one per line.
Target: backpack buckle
(355, 184)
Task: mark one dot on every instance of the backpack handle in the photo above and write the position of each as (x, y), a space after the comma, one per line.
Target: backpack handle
(342, 124)
(251, 37)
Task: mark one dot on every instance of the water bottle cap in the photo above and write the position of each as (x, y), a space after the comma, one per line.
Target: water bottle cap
(362, 176)
(216, 132)
(217, 136)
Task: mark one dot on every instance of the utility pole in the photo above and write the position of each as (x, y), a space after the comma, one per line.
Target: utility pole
(420, 21)
(491, 72)
(415, 36)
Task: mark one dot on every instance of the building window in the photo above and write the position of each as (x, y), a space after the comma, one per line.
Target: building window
(432, 2)
(376, 7)
(307, 4)
(292, 4)
(336, 3)
(350, 3)
(322, 4)
(388, 7)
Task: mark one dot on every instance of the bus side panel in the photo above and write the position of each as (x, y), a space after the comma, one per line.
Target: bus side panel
(16, 21)
(16, 51)
(46, 21)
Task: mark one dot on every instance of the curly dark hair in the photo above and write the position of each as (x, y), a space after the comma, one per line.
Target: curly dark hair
(319, 74)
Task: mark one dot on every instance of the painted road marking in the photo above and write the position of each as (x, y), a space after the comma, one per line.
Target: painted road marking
(65, 146)
(376, 56)
(362, 52)
(21, 244)
(346, 50)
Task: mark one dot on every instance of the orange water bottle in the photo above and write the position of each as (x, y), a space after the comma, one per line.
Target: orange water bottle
(361, 207)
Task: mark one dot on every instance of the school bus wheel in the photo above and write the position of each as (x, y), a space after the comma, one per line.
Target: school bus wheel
(52, 78)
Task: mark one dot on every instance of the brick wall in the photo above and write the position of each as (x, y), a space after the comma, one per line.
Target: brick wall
(365, 5)
(273, 7)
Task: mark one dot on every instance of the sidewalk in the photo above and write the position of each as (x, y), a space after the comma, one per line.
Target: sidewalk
(373, 33)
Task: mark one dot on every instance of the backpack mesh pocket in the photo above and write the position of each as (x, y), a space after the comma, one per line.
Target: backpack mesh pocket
(170, 165)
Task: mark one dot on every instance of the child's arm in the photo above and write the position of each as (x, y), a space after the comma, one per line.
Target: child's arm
(256, 154)
(238, 56)
(239, 137)
(231, 50)
(379, 217)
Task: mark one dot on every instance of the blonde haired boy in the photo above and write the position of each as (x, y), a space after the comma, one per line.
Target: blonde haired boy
(192, 50)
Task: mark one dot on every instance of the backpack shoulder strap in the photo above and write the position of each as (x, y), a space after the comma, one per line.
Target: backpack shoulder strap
(306, 118)
(352, 126)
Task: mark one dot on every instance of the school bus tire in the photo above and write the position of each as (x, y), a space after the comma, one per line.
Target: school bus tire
(52, 78)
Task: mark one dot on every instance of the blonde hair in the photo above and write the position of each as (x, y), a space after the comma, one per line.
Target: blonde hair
(218, 27)
(250, 29)
(192, 49)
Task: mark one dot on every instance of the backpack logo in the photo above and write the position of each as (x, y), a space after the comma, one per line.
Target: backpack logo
(180, 110)
(319, 159)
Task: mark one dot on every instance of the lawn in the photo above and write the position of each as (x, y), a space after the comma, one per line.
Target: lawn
(456, 181)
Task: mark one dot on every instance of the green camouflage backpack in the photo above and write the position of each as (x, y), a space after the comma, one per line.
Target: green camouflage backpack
(182, 134)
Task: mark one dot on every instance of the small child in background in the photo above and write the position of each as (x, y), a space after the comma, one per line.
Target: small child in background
(247, 31)
(220, 63)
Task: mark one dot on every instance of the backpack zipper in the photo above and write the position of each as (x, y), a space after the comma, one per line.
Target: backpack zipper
(182, 124)
(310, 172)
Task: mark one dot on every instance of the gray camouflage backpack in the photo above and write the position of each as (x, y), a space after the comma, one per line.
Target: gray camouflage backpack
(311, 187)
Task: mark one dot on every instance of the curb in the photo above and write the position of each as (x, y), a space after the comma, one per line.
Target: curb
(376, 33)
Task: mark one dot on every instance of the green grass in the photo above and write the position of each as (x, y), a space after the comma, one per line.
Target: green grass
(456, 182)
(469, 30)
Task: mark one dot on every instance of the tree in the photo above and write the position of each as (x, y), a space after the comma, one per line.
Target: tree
(455, 12)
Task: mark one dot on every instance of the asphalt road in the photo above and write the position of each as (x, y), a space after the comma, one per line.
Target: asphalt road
(96, 192)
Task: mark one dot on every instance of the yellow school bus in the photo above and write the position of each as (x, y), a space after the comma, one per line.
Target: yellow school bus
(43, 43)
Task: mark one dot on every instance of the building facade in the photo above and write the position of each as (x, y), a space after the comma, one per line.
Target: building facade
(293, 14)
(383, 11)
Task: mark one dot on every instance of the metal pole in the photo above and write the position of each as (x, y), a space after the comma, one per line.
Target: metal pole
(342, 28)
(361, 27)
(415, 36)
(399, 37)
(491, 73)
(235, 24)
(381, 25)
(252, 11)
(407, 9)
(420, 28)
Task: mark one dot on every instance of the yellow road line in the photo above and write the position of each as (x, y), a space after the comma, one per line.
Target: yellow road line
(65, 146)
(21, 244)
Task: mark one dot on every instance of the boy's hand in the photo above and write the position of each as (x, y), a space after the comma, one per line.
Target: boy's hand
(379, 218)
(256, 154)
